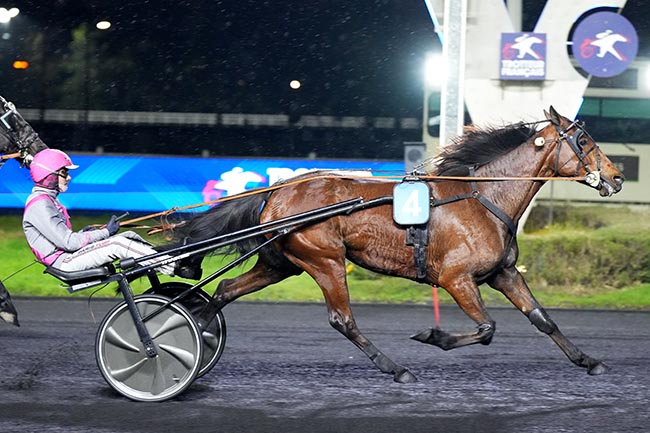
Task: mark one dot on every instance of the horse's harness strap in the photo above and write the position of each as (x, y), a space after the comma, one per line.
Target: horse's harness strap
(418, 237)
(494, 209)
(453, 199)
(573, 140)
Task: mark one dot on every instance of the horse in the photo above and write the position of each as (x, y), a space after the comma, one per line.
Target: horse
(471, 231)
(17, 140)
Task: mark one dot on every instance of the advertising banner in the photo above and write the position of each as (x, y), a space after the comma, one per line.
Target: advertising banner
(153, 184)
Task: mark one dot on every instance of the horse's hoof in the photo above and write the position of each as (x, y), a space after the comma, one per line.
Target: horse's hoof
(598, 368)
(405, 376)
(436, 337)
(8, 313)
(424, 336)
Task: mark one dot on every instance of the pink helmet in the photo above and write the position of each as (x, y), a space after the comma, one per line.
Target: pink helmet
(46, 164)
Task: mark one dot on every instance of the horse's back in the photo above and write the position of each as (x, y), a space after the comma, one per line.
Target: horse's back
(317, 189)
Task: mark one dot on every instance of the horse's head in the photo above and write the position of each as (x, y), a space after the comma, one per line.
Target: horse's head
(16, 135)
(577, 154)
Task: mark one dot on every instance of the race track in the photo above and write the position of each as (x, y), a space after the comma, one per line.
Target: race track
(285, 370)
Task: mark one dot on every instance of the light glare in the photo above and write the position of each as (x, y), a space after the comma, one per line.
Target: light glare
(434, 71)
(295, 84)
(103, 25)
(7, 15)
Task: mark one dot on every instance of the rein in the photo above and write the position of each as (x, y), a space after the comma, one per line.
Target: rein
(573, 140)
(10, 156)
(298, 181)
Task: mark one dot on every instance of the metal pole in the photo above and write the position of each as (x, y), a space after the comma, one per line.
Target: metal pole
(515, 9)
(452, 109)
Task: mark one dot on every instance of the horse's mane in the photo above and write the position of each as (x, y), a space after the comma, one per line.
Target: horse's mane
(479, 146)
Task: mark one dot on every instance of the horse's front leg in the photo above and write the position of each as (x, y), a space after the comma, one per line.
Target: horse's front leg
(512, 284)
(466, 294)
(8, 312)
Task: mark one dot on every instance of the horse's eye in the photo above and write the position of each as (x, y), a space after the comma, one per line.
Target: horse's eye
(582, 142)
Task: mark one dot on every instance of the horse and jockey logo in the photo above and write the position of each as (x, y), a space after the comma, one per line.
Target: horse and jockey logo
(524, 46)
(604, 44)
(232, 182)
(523, 56)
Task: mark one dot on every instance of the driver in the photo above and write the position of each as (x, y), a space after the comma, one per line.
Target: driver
(47, 227)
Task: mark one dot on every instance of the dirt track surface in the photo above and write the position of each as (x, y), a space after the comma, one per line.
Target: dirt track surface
(285, 370)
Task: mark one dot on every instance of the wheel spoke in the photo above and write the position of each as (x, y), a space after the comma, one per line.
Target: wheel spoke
(173, 322)
(158, 384)
(116, 339)
(211, 340)
(125, 373)
(183, 356)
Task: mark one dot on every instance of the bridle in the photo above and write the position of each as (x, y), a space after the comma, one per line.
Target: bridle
(576, 142)
(8, 130)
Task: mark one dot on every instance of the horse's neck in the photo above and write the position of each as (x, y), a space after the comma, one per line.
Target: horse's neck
(513, 197)
(29, 138)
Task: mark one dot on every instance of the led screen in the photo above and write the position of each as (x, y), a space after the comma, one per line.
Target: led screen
(153, 184)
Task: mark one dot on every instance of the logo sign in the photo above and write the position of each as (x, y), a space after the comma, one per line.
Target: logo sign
(523, 56)
(604, 44)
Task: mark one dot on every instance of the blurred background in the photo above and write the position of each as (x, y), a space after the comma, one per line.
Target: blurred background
(336, 58)
(320, 79)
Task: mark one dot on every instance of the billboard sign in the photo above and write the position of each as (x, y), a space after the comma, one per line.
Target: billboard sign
(523, 56)
(604, 44)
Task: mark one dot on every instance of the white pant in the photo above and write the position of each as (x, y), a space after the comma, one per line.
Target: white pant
(122, 246)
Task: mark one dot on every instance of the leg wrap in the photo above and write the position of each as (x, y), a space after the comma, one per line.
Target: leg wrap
(542, 321)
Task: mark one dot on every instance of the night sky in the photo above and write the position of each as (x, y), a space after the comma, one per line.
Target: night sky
(353, 57)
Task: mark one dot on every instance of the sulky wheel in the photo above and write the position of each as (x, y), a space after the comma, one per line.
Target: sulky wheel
(214, 336)
(126, 367)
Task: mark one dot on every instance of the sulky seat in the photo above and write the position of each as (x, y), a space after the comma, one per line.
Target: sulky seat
(78, 277)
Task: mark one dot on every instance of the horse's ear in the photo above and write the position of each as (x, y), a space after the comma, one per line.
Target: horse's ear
(553, 116)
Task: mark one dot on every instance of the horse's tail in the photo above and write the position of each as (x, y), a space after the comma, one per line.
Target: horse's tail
(225, 218)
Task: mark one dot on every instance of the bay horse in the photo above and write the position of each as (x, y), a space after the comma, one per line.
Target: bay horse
(471, 231)
(17, 140)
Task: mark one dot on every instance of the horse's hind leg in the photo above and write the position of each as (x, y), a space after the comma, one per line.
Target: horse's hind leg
(512, 285)
(257, 278)
(329, 274)
(466, 294)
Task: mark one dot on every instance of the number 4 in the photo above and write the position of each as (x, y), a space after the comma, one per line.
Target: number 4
(412, 204)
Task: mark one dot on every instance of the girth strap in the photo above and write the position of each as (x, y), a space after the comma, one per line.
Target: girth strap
(418, 237)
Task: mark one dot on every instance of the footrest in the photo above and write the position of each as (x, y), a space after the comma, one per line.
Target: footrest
(77, 277)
